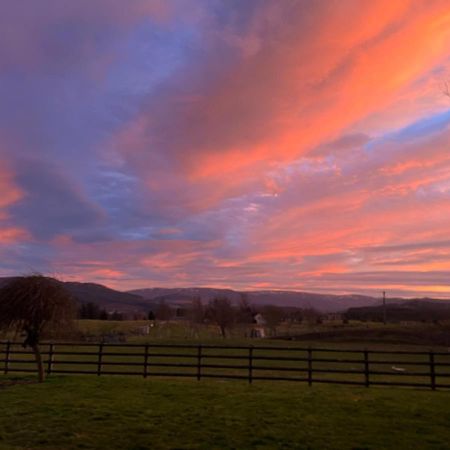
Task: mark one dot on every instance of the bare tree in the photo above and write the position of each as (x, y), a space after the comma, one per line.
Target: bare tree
(196, 311)
(310, 315)
(273, 315)
(33, 305)
(221, 311)
(196, 315)
(245, 312)
(292, 316)
(163, 311)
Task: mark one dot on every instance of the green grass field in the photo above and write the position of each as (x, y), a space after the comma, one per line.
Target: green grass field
(354, 331)
(132, 413)
(68, 413)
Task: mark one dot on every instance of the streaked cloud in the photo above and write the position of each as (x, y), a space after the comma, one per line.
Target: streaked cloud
(300, 145)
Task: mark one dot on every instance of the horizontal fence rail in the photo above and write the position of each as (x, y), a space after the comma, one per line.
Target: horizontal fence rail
(251, 363)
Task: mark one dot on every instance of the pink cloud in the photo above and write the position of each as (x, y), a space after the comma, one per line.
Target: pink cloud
(268, 155)
(273, 105)
(10, 193)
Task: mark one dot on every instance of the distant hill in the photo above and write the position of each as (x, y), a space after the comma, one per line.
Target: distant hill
(321, 302)
(103, 296)
(147, 299)
(414, 310)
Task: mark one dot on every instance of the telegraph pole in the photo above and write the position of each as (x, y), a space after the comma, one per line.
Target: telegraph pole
(384, 307)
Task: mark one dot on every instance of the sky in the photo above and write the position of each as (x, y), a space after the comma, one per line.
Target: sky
(253, 144)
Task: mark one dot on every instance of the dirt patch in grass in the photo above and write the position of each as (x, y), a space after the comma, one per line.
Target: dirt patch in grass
(4, 384)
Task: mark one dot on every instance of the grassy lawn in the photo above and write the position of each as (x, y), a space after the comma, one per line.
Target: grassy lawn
(412, 332)
(131, 413)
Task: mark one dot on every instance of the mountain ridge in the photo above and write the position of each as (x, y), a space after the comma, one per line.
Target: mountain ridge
(143, 300)
(321, 302)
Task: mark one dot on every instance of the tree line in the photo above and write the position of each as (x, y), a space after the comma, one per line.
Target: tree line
(92, 311)
(221, 312)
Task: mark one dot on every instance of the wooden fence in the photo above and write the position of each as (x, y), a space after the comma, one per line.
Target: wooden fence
(310, 365)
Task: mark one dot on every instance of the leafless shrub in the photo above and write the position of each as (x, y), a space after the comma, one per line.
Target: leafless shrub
(163, 311)
(273, 315)
(35, 305)
(221, 311)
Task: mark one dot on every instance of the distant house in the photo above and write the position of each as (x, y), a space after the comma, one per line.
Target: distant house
(258, 328)
(258, 319)
(334, 316)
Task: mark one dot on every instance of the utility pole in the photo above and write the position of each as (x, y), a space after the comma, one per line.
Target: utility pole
(384, 307)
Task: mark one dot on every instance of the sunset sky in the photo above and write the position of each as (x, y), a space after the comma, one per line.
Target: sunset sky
(248, 144)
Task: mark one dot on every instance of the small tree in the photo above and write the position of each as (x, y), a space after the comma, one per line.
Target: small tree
(293, 315)
(92, 311)
(310, 315)
(273, 315)
(245, 312)
(196, 311)
(163, 311)
(196, 315)
(33, 305)
(221, 311)
(117, 316)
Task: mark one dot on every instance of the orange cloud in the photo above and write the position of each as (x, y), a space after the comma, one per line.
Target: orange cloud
(268, 154)
(274, 105)
(10, 193)
(11, 235)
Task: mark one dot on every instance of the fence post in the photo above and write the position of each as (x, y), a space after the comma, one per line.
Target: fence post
(250, 364)
(310, 369)
(366, 368)
(199, 362)
(146, 361)
(50, 359)
(100, 358)
(8, 350)
(432, 371)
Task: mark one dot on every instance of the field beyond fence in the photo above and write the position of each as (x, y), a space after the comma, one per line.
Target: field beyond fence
(251, 363)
